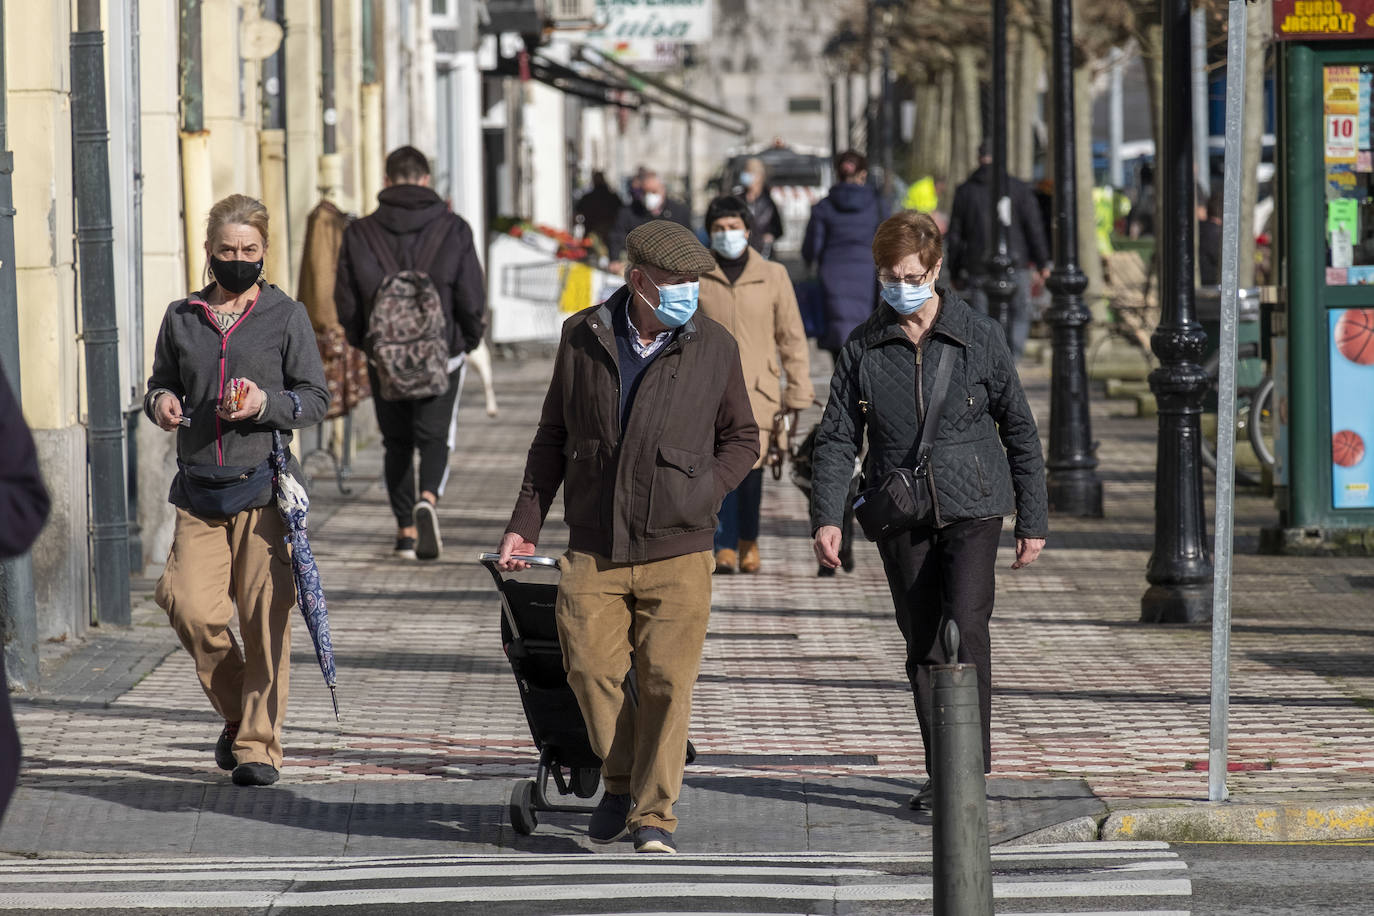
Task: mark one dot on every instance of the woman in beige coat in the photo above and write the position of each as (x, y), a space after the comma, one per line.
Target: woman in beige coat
(753, 298)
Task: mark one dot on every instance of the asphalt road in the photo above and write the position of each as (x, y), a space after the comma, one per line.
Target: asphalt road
(1281, 879)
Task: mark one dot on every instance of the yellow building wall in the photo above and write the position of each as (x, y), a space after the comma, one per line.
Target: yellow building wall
(37, 37)
(303, 119)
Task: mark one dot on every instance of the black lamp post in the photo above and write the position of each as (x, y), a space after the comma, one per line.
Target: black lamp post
(1074, 486)
(1180, 568)
(998, 282)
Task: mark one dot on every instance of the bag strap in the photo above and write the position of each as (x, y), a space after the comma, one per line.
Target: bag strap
(431, 239)
(937, 406)
(377, 243)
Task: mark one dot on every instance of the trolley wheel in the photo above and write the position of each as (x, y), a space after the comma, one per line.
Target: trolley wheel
(585, 781)
(691, 752)
(522, 815)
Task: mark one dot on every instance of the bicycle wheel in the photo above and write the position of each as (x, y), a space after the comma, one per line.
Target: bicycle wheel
(1263, 422)
(1244, 400)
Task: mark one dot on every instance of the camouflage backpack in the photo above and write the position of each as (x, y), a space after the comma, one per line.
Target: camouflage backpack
(407, 334)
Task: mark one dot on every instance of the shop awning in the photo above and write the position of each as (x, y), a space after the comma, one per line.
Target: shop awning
(566, 79)
(658, 92)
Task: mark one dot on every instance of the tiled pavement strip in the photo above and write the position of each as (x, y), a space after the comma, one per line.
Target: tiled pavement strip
(802, 677)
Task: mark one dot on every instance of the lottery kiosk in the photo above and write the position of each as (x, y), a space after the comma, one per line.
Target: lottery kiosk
(1323, 327)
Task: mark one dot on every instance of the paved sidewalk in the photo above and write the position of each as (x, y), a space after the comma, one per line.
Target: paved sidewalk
(803, 716)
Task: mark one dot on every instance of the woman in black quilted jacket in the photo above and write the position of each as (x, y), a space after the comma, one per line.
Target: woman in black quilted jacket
(985, 463)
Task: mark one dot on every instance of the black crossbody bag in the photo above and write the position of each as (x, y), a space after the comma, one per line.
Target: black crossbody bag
(223, 492)
(904, 498)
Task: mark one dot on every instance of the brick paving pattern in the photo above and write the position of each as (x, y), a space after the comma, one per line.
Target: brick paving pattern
(802, 676)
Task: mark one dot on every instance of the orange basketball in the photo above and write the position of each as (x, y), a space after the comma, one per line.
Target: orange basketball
(1355, 336)
(1347, 448)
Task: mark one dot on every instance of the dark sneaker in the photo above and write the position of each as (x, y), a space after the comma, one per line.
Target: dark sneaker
(608, 820)
(405, 549)
(428, 543)
(224, 747)
(923, 797)
(654, 839)
(255, 774)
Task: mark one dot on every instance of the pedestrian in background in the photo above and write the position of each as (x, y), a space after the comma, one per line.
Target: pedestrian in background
(970, 239)
(599, 208)
(838, 239)
(234, 362)
(985, 463)
(24, 507)
(753, 298)
(1209, 240)
(763, 209)
(646, 445)
(653, 203)
(413, 229)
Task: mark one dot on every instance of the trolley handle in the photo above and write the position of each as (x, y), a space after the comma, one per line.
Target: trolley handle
(490, 560)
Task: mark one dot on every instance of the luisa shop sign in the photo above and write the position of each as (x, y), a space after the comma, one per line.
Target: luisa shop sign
(686, 21)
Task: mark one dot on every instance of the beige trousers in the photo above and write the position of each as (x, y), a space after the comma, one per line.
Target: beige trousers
(216, 565)
(659, 611)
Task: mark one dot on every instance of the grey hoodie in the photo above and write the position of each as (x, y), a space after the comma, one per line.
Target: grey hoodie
(273, 344)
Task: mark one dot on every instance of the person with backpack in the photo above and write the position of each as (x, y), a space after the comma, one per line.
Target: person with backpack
(411, 295)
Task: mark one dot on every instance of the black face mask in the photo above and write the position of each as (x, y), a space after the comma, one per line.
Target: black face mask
(235, 276)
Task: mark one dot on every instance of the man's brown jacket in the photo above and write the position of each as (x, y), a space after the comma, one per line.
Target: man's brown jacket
(652, 490)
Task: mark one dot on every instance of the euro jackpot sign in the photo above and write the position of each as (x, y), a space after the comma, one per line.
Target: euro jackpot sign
(1309, 20)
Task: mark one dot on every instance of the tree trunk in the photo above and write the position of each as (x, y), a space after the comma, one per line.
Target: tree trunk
(967, 114)
(1089, 257)
(1257, 28)
(927, 135)
(1030, 66)
(1152, 58)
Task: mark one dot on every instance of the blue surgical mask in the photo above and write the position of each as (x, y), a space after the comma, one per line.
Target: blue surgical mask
(729, 243)
(677, 302)
(906, 298)
(746, 179)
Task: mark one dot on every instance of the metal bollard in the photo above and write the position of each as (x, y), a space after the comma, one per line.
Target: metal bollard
(963, 859)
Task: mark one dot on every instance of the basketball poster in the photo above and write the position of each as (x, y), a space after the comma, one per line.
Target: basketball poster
(1352, 411)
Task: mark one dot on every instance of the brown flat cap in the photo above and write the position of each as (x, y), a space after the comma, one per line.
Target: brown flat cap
(668, 246)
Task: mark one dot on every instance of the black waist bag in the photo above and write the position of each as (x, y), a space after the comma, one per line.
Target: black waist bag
(212, 491)
(904, 498)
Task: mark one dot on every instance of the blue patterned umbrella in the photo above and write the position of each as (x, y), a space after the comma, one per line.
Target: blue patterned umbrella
(294, 504)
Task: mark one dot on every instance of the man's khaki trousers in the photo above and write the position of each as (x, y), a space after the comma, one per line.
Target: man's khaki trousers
(658, 610)
(214, 566)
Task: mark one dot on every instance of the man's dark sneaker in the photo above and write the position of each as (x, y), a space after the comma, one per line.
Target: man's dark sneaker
(608, 820)
(654, 839)
(405, 548)
(255, 774)
(923, 797)
(428, 543)
(224, 747)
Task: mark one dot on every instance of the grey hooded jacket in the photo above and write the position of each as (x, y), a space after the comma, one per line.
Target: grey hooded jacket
(273, 344)
(986, 460)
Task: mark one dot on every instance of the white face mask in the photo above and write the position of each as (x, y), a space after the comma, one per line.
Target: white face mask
(652, 200)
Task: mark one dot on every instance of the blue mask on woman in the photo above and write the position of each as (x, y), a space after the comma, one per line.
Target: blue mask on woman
(906, 298)
(676, 303)
(729, 243)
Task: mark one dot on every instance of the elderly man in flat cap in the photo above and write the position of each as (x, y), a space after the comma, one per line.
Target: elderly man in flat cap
(647, 424)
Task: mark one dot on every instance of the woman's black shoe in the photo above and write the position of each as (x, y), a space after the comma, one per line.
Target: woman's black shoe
(224, 747)
(255, 774)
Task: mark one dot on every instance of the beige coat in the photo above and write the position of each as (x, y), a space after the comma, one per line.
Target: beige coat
(760, 310)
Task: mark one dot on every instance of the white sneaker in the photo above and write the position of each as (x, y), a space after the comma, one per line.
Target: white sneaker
(428, 543)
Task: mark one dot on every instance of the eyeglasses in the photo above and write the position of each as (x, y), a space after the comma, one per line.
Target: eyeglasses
(886, 276)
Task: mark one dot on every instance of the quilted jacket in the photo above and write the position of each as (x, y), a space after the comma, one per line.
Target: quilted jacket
(986, 459)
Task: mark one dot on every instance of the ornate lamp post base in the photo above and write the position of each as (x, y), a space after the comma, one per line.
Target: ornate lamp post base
(1076, 493)
(1177, 604)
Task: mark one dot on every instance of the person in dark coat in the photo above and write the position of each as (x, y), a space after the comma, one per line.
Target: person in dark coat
(24, 507)
(985, 462)
(970, 236)
(599, 208)
(839, 237)
(1209, 241)
(764, 214)
(411, 218)
(652, 203)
